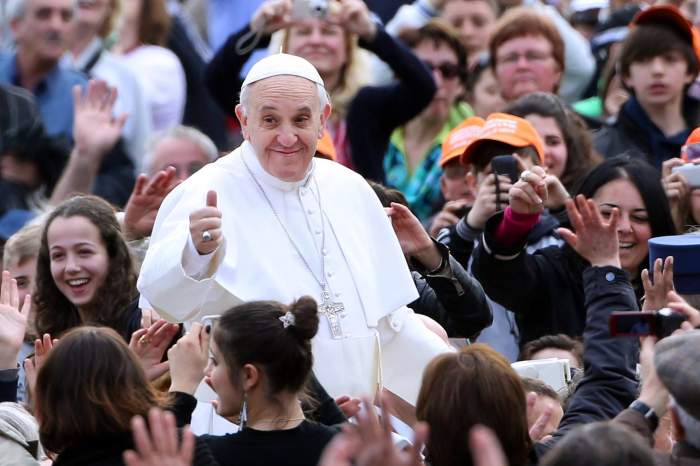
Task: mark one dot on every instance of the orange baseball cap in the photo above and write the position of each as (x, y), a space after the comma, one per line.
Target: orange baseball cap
(508, 129)
(325, 147)
(672, 16)
(459, 139)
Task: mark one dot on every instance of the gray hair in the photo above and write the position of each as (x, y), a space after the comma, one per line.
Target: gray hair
(186, 133)
(691, 426)
(16, 9)
(323, 97)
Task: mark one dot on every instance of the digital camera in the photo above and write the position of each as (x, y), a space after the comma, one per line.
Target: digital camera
(305, 9)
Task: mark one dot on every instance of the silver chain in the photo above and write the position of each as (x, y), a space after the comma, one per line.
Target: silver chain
(322, 283)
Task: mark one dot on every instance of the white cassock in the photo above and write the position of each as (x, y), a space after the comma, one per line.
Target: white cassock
(344, 235)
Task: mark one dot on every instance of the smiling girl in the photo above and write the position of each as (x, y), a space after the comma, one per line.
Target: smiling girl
(85, 273)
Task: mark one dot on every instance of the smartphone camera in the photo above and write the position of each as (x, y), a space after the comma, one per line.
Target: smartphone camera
(315, 9)
(660, 324)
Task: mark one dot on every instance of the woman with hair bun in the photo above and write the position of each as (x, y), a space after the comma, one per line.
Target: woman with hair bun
(260, 364)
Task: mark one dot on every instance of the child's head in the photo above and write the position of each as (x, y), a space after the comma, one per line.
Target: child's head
(84, 267)
(456, 181)
(658, 60)
(503, 134)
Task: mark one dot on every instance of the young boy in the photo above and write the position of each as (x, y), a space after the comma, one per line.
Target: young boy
(657, 63)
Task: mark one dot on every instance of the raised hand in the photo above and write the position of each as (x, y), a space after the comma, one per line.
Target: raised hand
(450, 214)
(188, 360)
(656, 293)
(488, 200)
(42, 348)
(557, 194)
(595, 239)
(13, 321)
(95, 129)
(529, 194)
(161, 446)
(149, 344)
(414, 240)
(272, 16)
(677, 190)
(205, 226)
(145, 200)
(680, 305)
(354, 17)
(349, 406)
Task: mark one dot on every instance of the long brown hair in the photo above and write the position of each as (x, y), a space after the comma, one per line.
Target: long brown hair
(155, 23)
(90, 385)
(473, 386)
(54, 312)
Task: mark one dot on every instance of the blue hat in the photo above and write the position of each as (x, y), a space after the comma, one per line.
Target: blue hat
(12, 221)
(685, 250)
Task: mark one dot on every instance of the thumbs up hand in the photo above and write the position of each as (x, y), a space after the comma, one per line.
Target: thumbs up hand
(205, 226)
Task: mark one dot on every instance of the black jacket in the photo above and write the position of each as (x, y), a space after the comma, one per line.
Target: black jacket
(451, 297)
(609, 383)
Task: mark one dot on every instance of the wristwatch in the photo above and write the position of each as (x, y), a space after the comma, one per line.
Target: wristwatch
(647, 412)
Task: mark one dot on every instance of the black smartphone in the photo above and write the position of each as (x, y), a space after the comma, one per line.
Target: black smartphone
(661, 323)
(506, 165)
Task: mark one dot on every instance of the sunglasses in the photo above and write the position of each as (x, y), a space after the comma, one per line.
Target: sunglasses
(447, 70)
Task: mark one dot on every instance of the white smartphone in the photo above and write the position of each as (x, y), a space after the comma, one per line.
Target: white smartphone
(690, 172)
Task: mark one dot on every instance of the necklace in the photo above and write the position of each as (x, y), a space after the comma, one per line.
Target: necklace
(333, 311)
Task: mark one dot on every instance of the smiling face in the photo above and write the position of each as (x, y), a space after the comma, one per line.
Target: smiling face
(283, 122)
(555, 152)
(633, 229)
(78, 257)
(43, 29)
(525, 64)
(218, 378)
(321, 43)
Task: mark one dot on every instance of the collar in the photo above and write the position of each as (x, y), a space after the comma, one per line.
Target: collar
(81, 61)
(266, 179)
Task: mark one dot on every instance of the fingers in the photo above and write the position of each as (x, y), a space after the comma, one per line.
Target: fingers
(26, 306)
(187, 447)
(211, 199)
(485, 448)
(5, 288)
(538, 428)
(568, 236)
(142, 440)
(668, 273)
(679, 305)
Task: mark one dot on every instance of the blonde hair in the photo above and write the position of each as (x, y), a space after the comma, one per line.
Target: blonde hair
(23, 245)
(355, 74)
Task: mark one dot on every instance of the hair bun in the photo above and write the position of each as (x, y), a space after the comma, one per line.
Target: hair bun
(305, 311)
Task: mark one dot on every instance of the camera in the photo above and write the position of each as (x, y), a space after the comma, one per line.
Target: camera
(691, 172)
(661, 323)
(305, 9)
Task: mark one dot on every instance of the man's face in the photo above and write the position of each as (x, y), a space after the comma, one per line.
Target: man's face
(659, 81)
(443, 61)
(42, 31)
(283, 123)
(525, 64)
(184, 155)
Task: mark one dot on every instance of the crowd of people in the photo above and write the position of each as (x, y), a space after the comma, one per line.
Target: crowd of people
(334, 232)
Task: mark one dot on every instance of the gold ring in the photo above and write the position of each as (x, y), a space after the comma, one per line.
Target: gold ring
(144, 340)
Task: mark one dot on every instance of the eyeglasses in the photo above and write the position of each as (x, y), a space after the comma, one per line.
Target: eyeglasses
(530, 56)
(447, 70)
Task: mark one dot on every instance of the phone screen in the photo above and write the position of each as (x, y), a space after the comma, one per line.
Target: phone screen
(632, 323)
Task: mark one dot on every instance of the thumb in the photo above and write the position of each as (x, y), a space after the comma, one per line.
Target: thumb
(211, 199)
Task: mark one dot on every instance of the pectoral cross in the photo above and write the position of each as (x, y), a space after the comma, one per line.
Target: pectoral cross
(333, 312)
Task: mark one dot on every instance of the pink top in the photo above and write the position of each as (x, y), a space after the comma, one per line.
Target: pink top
(514, 227)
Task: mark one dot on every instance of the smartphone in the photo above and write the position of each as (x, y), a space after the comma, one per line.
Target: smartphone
(506, 165)
(661, 323)
(691, 172)
(209, 320)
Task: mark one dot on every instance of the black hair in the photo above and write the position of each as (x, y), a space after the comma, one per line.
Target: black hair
(252, 333)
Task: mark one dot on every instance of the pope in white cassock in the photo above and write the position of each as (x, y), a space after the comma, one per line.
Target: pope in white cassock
(270, 221)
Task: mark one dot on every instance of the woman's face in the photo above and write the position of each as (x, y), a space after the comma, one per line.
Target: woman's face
(486, 98)
(441, 57)
(78, 257)
(218, 378)
(633, 229)
(321, 43)
(555, 152)
(474, 20)
(93, 13)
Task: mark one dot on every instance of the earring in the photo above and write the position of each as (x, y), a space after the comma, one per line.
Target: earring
(243, 417)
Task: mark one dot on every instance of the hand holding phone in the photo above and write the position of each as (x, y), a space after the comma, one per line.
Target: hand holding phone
(660, 324)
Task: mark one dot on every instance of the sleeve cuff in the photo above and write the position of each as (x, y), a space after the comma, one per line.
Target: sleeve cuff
(194, 264)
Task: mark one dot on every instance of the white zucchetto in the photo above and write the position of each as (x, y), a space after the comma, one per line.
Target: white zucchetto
(282, 64)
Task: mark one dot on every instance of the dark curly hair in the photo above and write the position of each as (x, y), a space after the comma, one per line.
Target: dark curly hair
(55, 314)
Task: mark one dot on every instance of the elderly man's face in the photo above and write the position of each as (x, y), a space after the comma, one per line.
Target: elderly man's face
(283, 123)
(42, 30)
(184, 155)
